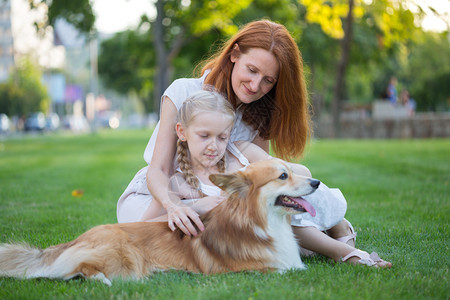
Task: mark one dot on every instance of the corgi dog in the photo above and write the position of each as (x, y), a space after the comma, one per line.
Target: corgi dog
(250, 230)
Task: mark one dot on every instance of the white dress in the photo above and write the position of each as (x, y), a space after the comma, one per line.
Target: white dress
(330, 204)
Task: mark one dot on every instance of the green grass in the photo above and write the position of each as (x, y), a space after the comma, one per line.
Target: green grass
(397, 193)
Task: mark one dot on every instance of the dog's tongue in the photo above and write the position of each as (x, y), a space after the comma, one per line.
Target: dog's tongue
(305, 204)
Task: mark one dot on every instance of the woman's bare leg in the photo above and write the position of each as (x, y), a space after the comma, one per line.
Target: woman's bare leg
(340, 230)
(315, 240)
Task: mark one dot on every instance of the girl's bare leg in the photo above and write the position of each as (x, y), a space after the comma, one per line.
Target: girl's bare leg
(315, 240)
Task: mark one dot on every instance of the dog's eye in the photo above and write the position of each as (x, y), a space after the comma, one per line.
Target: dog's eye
(283, 176)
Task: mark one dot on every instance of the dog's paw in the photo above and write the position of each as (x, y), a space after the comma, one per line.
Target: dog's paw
(102, 278)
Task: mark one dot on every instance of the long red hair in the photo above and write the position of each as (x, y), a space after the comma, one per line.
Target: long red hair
(282, 115)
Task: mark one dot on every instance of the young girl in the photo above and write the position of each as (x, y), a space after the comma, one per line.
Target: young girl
(203, 129)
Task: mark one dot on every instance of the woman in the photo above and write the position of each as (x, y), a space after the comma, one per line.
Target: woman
(260, 72)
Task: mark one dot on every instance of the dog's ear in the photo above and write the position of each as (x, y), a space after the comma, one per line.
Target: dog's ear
(231, 183)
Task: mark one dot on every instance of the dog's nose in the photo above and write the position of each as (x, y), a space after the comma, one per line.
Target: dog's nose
(314, 183)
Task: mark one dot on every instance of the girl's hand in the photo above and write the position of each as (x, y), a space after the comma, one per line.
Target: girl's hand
(182, 217)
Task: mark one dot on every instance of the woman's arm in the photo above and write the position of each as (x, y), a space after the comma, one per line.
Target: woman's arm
(180, 189)
(201, 206)
(160, 169)
(262, 143)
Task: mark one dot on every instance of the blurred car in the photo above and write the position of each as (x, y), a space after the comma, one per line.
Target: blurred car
(35, 122)
(108, 119)
(76, 123)
(5, 124)
(52, 122)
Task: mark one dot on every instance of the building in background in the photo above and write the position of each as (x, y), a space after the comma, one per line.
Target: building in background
(18, 38)
(67, 59)
(6, 41)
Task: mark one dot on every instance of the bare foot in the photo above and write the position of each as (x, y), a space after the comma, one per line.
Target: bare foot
(362, 257)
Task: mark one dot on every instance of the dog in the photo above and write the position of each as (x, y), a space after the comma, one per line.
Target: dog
(250, 230)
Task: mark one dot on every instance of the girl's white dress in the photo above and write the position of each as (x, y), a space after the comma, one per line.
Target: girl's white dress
(330, 204)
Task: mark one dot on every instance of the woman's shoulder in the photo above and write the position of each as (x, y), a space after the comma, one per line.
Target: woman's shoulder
(181, 88)
(184, 85)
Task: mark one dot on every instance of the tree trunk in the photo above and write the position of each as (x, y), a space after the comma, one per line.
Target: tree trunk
(164, 57)
(161, 57)
(341, 70)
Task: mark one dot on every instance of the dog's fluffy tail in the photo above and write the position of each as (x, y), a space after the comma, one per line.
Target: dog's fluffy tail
(57, 262)
(24, 261)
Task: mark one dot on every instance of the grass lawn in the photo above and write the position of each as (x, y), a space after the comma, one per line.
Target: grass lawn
(398, 201)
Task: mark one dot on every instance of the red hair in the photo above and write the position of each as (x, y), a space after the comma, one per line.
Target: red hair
(282, 115)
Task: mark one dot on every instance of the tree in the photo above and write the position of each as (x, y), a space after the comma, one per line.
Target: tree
(180, 21)
(427, 73)
(24, 92)
(342, 69)
(392, 25)
(126, 64)
(78, 13)
(147, 55)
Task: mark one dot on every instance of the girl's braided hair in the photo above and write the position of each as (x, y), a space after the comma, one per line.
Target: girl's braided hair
(199, 102)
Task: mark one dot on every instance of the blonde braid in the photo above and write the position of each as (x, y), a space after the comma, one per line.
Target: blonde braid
(222, 164)
(185, 165)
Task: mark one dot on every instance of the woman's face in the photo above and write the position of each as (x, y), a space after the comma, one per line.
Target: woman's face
(254, 74)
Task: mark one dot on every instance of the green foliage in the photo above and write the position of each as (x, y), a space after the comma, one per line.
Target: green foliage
(397, 194)
(24, 92)
(185, 25)
(11, 99)
(386, 42)
(205, 15)
(200, 16)
(126, 64)
(427, 73)
(329, 14)
(78, 13)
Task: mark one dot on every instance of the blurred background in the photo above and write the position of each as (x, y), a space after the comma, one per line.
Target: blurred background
(375, 68)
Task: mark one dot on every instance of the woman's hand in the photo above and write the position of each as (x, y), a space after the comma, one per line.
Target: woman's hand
(205, 204)
(182, 217)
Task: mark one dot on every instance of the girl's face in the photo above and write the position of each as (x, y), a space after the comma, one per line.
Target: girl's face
(254, 73)
(207, 136)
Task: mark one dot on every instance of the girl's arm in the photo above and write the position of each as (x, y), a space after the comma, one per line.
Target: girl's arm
(160, 169)
(254, 153)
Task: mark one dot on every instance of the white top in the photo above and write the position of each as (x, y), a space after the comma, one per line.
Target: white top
(178, 92)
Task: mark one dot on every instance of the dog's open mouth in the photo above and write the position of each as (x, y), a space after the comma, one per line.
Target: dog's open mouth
(297, 203)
